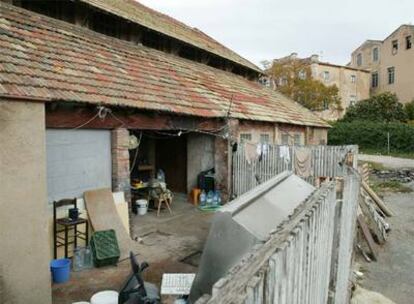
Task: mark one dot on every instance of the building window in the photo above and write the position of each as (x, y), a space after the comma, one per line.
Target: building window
(285, 139)
(391, 75)
(375, 54)
(264, 138)
(394, 47)
(298, 139)
(408, 42)
(302, 75)
(374, 80)
(326, 76)
(359, 59)
(352, 100)
(245, 137)
(353, 78)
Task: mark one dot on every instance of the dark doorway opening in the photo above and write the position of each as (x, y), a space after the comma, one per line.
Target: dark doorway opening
(171, 157)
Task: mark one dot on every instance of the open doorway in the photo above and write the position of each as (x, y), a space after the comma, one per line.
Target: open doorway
(171, 157)
(156, 153)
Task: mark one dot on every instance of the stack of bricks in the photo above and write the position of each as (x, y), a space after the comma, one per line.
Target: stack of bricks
(120, 162)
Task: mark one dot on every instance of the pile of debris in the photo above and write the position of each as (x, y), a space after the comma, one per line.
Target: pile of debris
(401, 175)
(372, 218)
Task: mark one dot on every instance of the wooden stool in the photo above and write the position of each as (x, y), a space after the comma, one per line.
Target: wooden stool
(166, 198)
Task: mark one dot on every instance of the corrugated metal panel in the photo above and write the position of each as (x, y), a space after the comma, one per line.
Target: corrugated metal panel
(293, 266)
(77, 160)
(247, 221)
(325, 162)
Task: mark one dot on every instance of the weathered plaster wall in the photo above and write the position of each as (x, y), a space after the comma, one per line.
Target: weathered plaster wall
(291, 131)
(402, 61)
(349, 91)
(278, 131)
(200, 156)
(24, 253)
(316, 136)
(257, 128)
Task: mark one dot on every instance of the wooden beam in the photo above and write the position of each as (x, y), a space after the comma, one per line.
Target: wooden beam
(85, 118)
(377, 199)
(368, 236)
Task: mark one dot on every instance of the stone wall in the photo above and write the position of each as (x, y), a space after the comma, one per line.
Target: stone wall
(120, 162)
(24, 253)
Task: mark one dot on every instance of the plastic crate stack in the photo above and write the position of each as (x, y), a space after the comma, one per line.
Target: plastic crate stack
(105, 248)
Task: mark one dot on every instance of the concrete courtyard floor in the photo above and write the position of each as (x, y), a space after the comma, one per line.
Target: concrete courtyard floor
(393, 274)
(169, 243)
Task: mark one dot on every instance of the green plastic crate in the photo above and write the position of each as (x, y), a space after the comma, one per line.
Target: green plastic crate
(105, 248)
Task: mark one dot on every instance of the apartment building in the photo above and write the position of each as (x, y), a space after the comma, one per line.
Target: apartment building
(390, 62)
(353, 83)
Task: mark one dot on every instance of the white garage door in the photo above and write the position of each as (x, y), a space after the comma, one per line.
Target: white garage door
(77, 160)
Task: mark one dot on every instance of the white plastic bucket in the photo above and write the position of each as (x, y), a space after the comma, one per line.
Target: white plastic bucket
(105, 297)
(142, 206)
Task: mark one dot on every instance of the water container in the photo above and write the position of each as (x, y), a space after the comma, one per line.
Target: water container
(218, 193)
(88, 261)
(60, 269)
(210, 198)
(203, 198)
(82, 258)
(105, 297)
(78, 259)
(142, 206)
(161, 175)
(217, 199)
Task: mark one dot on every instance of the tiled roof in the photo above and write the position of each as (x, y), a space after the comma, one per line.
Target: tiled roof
(136, 12)
(49, 59)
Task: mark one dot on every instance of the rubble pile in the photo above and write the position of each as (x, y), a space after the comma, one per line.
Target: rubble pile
(401, 175)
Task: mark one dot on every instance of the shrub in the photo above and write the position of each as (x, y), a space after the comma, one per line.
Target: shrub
(373, 135)
(384, 107)
(409, 110)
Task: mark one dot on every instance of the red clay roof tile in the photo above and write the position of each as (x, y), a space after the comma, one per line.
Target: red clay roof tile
(69, 63)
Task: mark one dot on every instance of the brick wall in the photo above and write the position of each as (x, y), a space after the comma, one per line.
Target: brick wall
(257, 128)
(120, 162)
(317, 136)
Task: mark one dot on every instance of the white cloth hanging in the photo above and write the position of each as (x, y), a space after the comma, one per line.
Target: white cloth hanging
(284, 153)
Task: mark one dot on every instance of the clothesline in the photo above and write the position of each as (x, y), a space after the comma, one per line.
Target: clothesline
(302, 156)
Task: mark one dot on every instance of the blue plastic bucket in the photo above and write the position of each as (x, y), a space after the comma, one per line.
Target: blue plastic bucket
(60, 269)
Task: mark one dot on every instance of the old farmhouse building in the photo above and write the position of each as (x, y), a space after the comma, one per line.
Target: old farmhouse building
(77, 78)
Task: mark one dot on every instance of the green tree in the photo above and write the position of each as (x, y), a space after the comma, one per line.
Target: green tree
(409, 110)
(383, 107)
(293, 77)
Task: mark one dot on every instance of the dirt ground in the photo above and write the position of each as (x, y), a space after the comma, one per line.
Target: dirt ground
(393, 274)
(169, 243)
(388, 161)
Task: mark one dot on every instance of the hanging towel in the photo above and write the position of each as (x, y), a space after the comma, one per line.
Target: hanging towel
(303, 158)
(284, 154)
(250, 152)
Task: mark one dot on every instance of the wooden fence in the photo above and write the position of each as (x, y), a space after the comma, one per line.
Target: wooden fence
(326, 161)
(300, 263)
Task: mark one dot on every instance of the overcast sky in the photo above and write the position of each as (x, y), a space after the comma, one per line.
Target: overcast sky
(267, 29)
